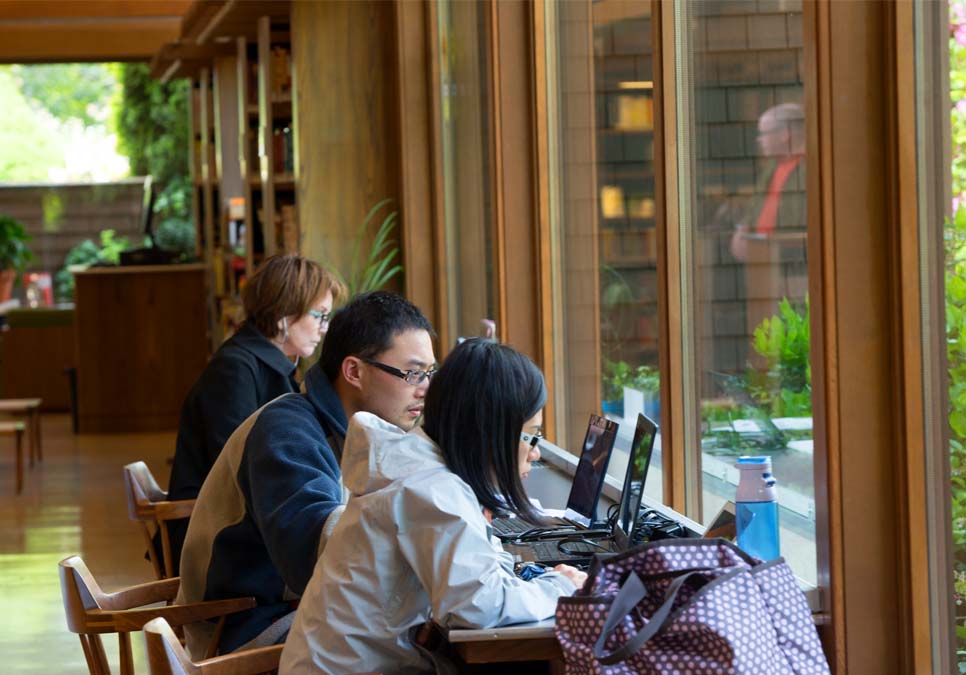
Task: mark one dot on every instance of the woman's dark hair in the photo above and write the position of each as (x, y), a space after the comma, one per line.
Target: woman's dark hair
(474, 411)
(286, 285)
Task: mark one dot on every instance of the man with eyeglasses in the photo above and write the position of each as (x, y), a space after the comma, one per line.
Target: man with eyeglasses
(263, 514)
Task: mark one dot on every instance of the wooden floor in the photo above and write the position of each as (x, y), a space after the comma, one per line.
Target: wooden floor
(72, 503)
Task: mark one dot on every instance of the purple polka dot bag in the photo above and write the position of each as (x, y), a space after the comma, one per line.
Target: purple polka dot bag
(689, 607)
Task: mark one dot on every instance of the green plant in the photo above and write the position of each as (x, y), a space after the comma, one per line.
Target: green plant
(14, 252)
(620, 374)
(152, 125)
(784, 387)
(377, 269)
(88, 253)
(616, 375)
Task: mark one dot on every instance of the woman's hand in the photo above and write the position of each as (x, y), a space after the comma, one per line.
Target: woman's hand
(572, 573)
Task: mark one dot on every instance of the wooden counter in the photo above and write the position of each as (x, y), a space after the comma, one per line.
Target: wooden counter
(141, 343)
(37, 348)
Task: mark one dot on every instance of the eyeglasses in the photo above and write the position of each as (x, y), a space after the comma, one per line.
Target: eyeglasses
(531, 439)
(413, 377)
(323, 317)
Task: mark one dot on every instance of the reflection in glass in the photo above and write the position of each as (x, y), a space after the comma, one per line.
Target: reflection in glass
(601, 121)
(464, 96)
(747, 231)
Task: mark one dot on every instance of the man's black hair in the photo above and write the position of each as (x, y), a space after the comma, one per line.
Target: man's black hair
(366, 327)
(474, 411)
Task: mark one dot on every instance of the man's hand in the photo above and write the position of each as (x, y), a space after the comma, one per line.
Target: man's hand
(739, 244)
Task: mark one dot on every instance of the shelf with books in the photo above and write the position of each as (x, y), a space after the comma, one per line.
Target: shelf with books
(266, 139)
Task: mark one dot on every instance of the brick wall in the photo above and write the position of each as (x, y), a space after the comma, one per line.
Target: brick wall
(747, 58)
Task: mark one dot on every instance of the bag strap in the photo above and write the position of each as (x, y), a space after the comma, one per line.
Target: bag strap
(630, 594)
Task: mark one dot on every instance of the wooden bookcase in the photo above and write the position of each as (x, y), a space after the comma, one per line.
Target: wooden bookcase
(266, 145)
(242, 156)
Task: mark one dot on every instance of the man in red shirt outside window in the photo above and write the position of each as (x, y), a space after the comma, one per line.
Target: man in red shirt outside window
(781, 138)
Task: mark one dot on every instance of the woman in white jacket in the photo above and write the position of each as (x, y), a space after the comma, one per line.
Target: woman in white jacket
(414, 542)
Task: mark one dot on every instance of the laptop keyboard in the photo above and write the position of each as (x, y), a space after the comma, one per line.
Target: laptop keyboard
(503, 527)
(551, 550)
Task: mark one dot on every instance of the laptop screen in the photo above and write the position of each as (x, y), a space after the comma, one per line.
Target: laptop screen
(591, 469)
(638, 462)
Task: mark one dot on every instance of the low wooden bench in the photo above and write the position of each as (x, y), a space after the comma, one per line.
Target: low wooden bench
(15, 429)
(29, 408)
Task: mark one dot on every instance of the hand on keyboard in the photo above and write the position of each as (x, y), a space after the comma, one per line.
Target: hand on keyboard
(572, 573)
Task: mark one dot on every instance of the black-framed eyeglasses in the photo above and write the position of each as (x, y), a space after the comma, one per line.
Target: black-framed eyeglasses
(531, 439)
(323, 317)
(413, 377)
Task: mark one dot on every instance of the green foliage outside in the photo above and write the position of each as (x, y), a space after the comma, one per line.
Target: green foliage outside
(955, 240)
(620, 374)
(152, 123)
(69, 90)
(28, 144)
(782, 387)
(955, 278)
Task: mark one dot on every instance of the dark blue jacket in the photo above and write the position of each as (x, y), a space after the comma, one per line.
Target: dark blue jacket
(257, 526)
(245, 373)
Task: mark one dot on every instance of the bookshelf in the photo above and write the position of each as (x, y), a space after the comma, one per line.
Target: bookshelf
(267, 143)
(203, 167)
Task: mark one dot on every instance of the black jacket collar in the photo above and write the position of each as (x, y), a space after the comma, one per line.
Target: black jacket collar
(251, 340)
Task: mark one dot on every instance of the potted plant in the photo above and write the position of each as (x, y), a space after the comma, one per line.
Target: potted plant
(377, 268)
(14, 254)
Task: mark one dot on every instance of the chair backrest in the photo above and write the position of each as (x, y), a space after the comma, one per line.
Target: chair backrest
(147, 503)
(142, 491)
(81, 593)
(89, 612)
(166, 656)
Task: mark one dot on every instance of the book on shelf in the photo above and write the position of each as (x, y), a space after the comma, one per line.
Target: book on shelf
(281, 73)
(290, 229)
(284, 150)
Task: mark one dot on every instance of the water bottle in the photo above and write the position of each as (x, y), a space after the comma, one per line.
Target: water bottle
(757, 508)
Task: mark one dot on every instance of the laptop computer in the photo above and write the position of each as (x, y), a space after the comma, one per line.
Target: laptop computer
(588, 482)
(580, 547)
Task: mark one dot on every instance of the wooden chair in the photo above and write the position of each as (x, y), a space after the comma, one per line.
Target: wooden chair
(92, 612)
(15, 429)
(166, 656)
(29, 409)
(148, 503)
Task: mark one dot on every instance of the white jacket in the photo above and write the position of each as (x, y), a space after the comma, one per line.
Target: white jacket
(412, 542)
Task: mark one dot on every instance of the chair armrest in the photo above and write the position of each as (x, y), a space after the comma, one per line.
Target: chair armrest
(174, 510)
(261, 660)
(148, 593)
(179, 615)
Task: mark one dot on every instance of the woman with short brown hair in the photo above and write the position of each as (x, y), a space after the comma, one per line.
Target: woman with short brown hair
(287, 303)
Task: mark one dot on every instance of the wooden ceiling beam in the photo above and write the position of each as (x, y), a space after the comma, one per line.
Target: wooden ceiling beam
(211, 20)
(128, 40)
(182, 59)
(39, 11)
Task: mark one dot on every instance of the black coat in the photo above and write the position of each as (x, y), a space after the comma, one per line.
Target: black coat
(245, 373)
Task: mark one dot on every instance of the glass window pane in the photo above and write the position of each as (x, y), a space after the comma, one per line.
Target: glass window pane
(742, 135)
(466, 137)
(601, 121)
